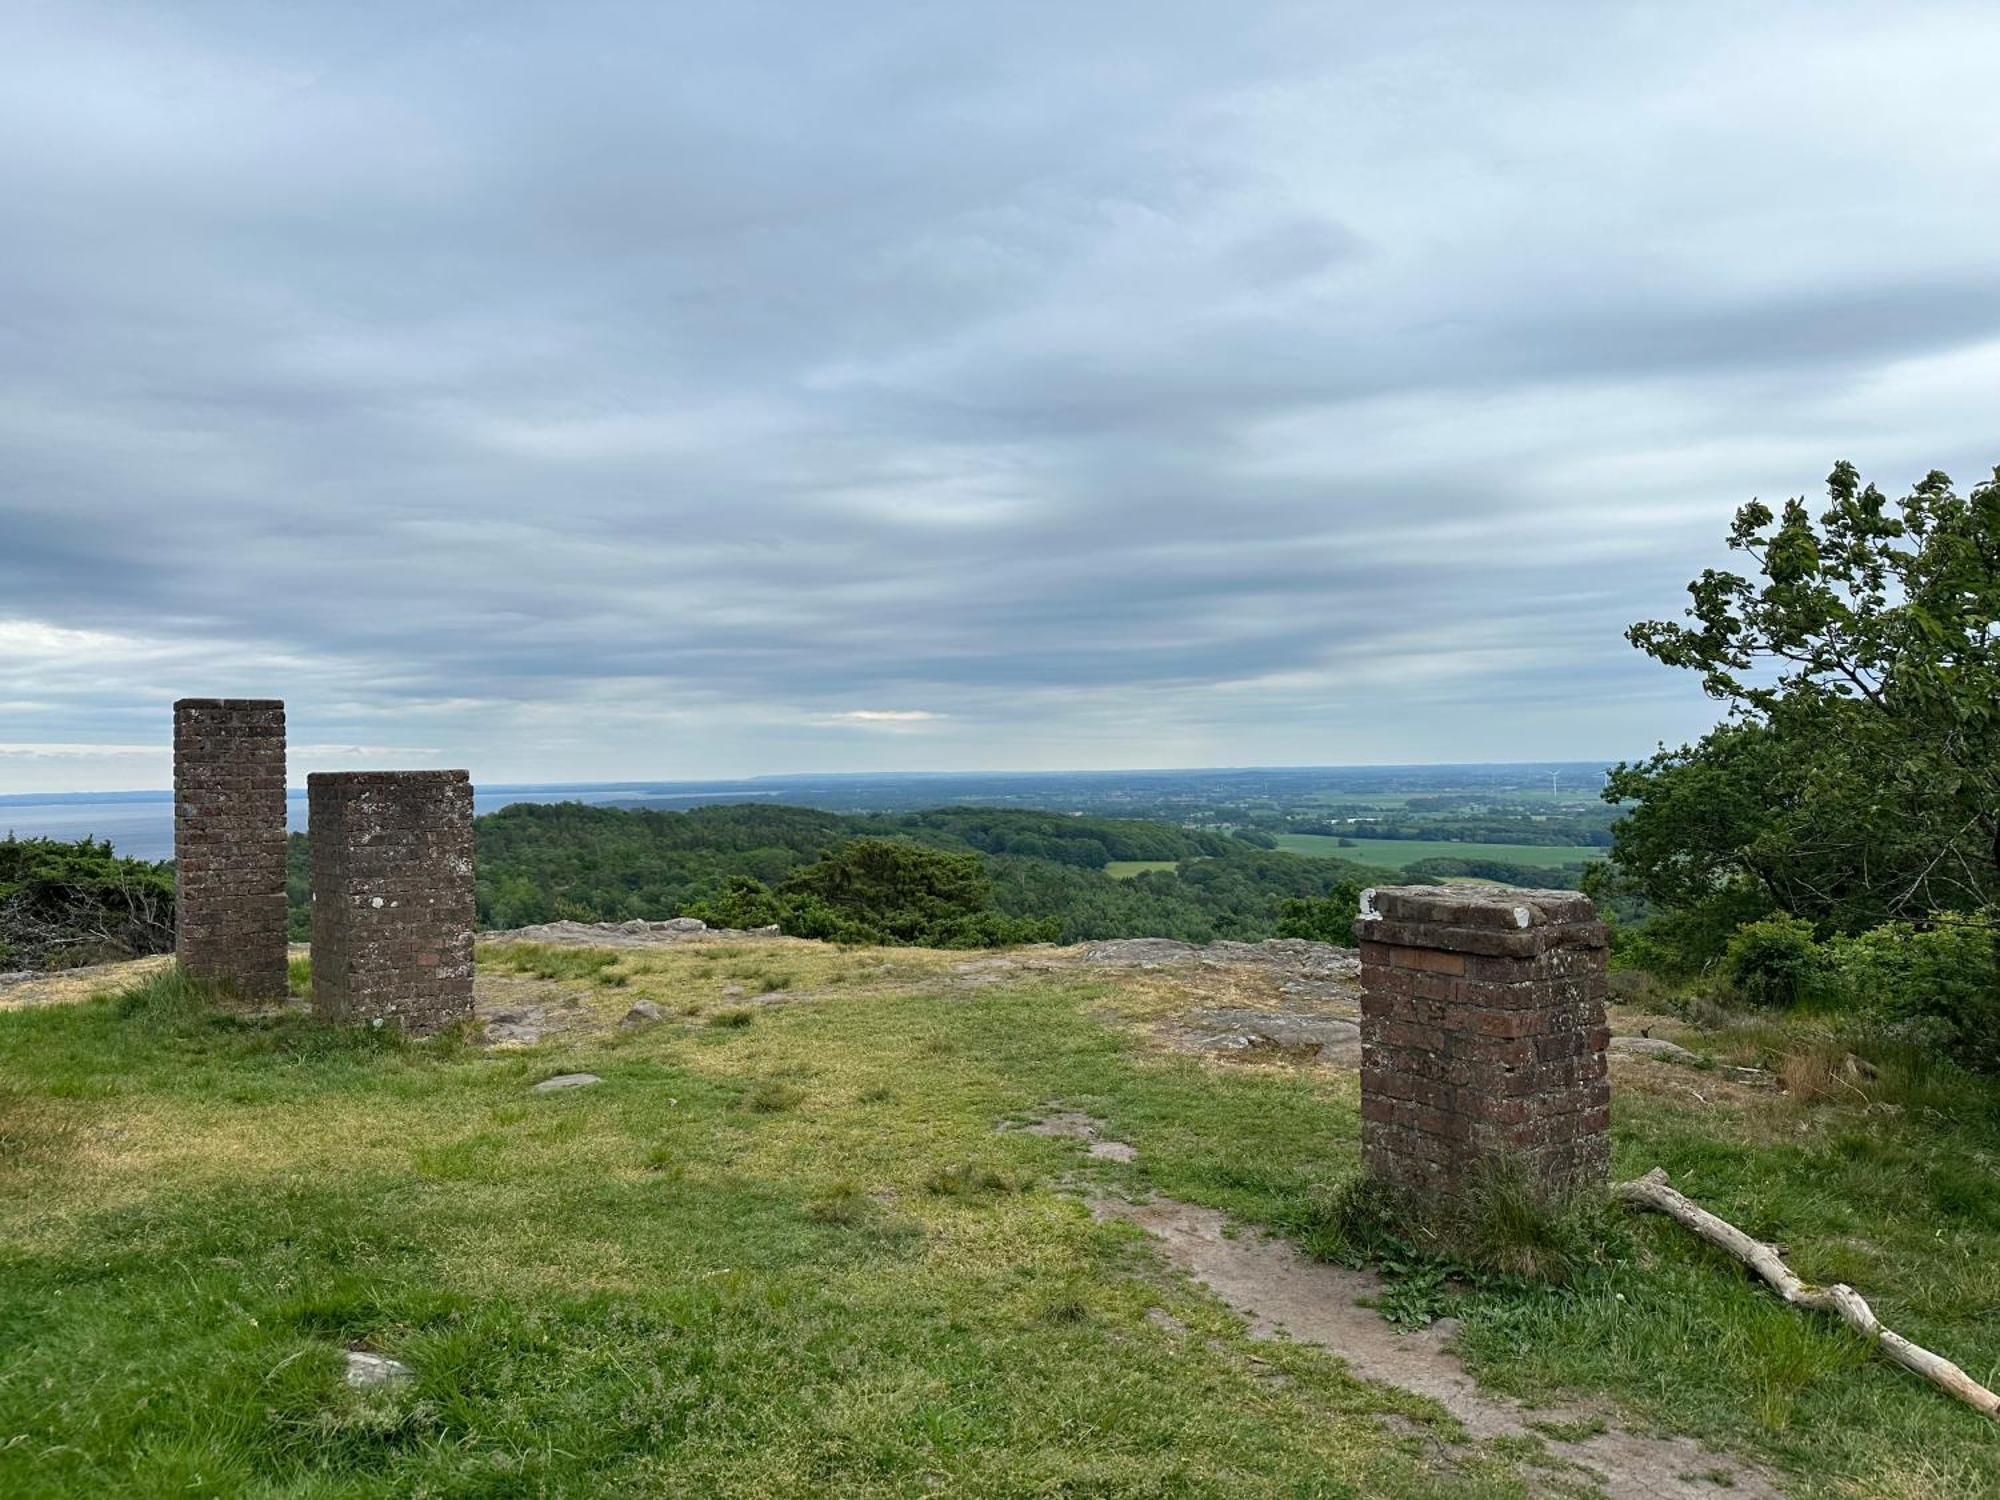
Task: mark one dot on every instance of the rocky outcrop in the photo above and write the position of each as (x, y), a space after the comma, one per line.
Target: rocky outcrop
(637, 933)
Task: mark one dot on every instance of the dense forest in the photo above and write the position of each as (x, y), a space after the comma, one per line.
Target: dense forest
(538, 863)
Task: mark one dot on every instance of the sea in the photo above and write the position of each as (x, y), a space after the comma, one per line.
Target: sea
(140, 825)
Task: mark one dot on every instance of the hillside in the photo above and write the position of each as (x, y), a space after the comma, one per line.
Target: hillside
(896, 1221)
(542, 862)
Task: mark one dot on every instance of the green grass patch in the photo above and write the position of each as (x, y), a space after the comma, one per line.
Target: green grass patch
(796, 1258)
(1125, 869)
(1393, 854)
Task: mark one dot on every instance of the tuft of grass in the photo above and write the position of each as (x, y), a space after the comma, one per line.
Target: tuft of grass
(973, 1180)
(770, 1096)
(1500, 1230)
(1820, 1070)
(737, 1017)
(549, 961)
(299, 977)
(844, 1204)
(664, 1162)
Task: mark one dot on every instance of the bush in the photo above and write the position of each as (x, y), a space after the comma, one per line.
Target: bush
(1937, 986)
(880, 891)
(63, 904)
(1774, 962)
(1323, 919)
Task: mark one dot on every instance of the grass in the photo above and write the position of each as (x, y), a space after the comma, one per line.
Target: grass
(1394, 854)
(796, 1258)
(1125, 869)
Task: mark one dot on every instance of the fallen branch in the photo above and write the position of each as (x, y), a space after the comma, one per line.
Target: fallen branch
(1655, 1192)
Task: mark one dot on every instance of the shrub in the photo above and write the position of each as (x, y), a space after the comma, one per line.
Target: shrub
(1936, 986)
(1774, 962)
(1323, 919)
(880, 891)
(63, 904)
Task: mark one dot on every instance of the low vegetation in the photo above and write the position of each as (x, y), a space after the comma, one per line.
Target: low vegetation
(64, 904)
(789, 1253)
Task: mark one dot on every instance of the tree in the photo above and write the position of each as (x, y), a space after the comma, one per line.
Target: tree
(1323, 919)
(1857, 778)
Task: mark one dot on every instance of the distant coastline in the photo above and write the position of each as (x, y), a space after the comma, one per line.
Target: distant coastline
(141, 823)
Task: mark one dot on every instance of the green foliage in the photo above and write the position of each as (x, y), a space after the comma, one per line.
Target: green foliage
(1774, 961)
(1858, 780)
(879, 891)
(67, 903)
(1323, 919)
(728, 866)
(1935, 984)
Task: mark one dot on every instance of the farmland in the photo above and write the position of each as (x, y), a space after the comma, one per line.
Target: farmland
(1393, 854)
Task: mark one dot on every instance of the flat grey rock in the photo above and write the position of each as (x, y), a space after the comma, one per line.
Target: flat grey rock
(641, 1013)
(567, 1081)
(1236, 1029)
(636, 933)
(365, 1369)
(1653, 1046)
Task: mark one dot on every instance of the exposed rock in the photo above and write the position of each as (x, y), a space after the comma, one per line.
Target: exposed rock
(637, 933)
(365, 1369)
(642, 1012)
(1329, 1038)
(1146, 952)
(1318, 961)
(1654, 1046)
(521, 1028)
(567, 1081)
(1069, 1124)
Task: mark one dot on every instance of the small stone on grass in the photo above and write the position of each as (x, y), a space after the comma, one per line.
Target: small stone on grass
(365, 1369)
(567, 1081)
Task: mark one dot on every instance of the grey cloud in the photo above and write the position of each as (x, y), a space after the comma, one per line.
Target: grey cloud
(611, 390)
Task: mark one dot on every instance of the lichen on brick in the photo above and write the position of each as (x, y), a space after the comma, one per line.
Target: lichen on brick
(393, 906)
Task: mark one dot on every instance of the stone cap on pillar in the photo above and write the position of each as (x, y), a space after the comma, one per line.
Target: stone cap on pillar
(234, 705)
(1478, 919)
(383, 778)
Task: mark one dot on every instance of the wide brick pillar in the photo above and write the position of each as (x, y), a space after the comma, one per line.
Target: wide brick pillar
(1483, 1036)
(392, 896)
(229, 842)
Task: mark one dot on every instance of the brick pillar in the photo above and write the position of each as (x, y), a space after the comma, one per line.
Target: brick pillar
(1482, 1036)
(229, 842)
(392, 896)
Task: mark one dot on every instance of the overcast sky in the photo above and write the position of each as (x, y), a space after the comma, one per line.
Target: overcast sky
(588, 391)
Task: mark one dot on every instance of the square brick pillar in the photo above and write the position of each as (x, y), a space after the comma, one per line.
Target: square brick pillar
(1483, 1036)
(229, 842)
(392, 897)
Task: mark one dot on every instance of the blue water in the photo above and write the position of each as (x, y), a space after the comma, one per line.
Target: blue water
(141, 825)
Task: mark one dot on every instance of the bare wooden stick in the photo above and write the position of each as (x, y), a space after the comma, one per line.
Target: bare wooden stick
(1655, 1192)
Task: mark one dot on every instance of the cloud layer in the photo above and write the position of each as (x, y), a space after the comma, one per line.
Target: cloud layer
(618, 391)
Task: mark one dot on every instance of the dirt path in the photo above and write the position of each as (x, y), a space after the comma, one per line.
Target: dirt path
(1281, 1292)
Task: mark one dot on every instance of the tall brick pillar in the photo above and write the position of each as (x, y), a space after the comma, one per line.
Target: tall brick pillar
(392, 896)
(1482, 1036)
(229, 842)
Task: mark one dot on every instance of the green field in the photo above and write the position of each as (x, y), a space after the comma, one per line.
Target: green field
(1393, 854)
(1125, 869)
